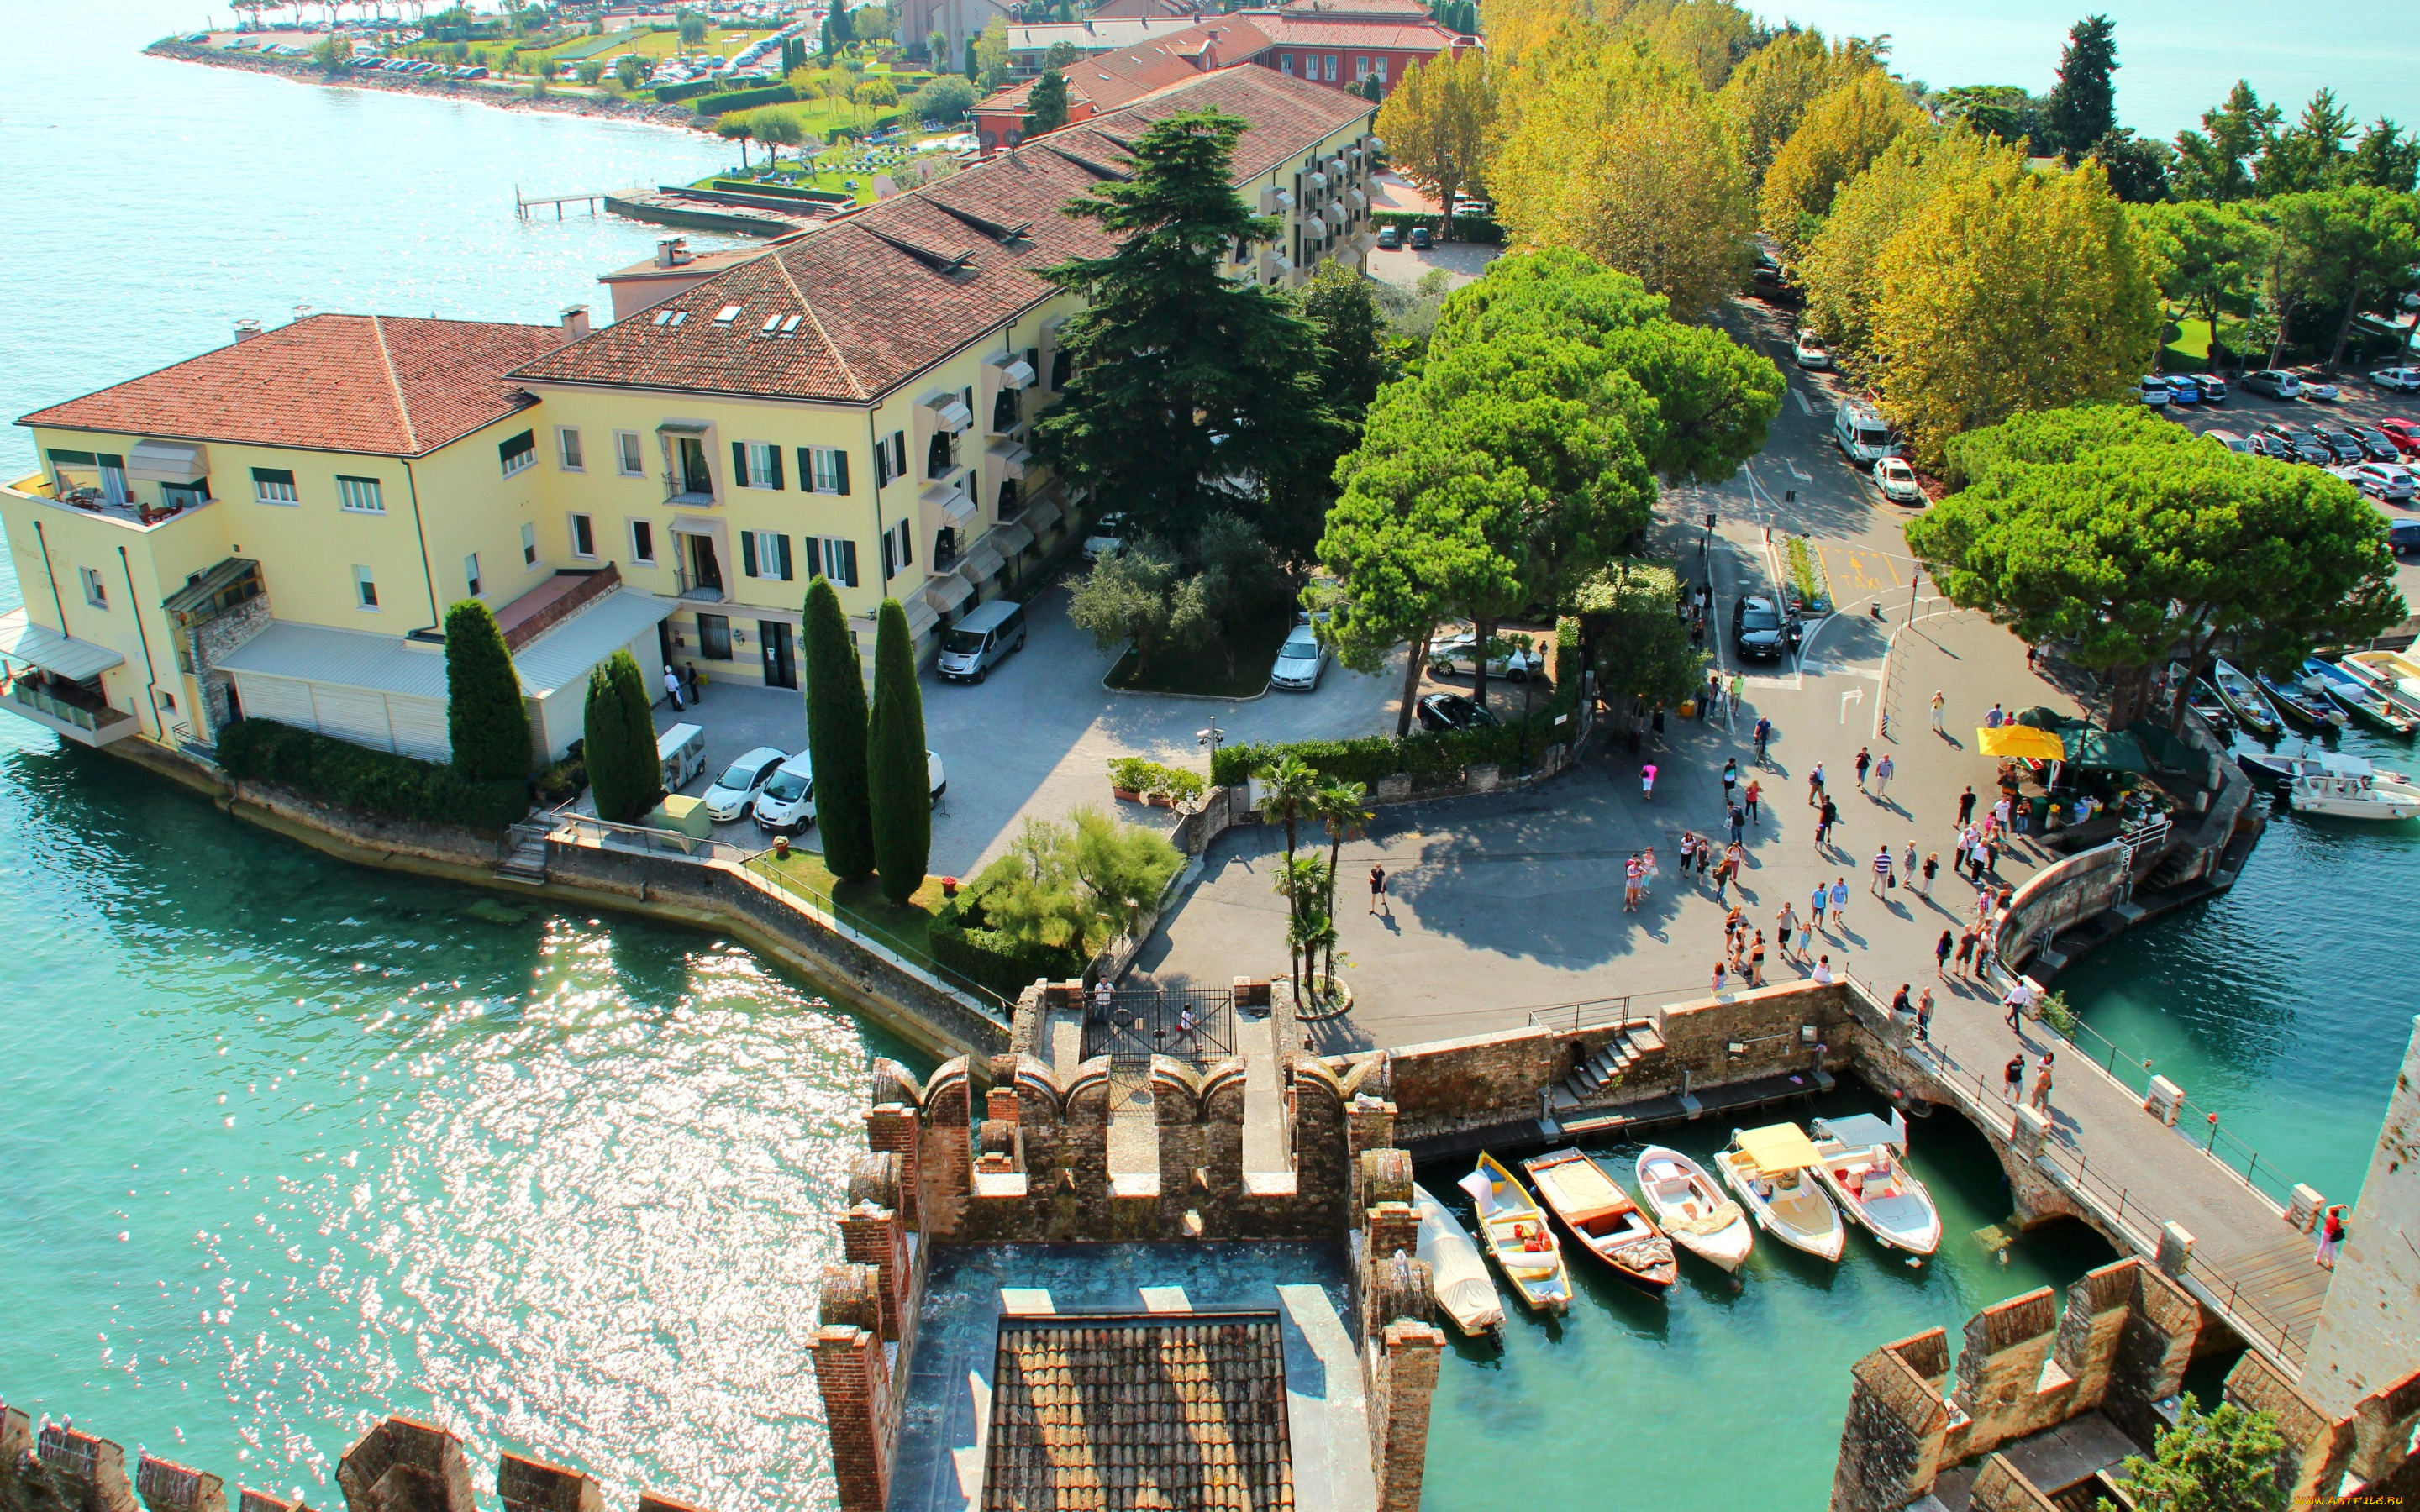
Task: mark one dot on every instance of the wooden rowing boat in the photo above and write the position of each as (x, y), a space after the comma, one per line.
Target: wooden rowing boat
(1464, 1290)
(1768, 1168)
(2250, 706)
(1514, 1229)
(1874, 1187)
(1692, 1211)
(1602, 1217)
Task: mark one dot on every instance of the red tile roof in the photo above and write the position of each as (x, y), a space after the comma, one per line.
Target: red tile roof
(373, 384)
(1304, 29)
(1115, 78)
(872, 313)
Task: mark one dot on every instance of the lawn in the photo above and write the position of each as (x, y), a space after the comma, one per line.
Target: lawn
(1205, 673)
(905, 930)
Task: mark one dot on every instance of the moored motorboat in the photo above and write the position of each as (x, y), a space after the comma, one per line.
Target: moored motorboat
(2275, 769)
(1601, 1215)
(1514, 1230)
(2390, 673)
(1768, 1168)
(2300, 704)
(2382, 795)
(1460, 1277)
(2249, 706)
(2358, 697)
(1873, 1186)
(1695, 1213)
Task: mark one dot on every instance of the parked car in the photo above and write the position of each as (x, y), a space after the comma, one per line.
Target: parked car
(2214, 387)
(1390, 238)
(1300, 660)
(2341, 445)
(2404, 433)
(2308, 447)
(1107, 539)
(1422, 238)
(2318, 388)
(2403, 536)
(1759, 631)
(2275, 382)
(1512, 665)
(1809, 351)
(2377, 445)
(1451, 711)
(1897, 481)
(2273, 447)
(2230, 439)
(2380, 481)
(989, 635)
(787, 802)
(740, 782)
(2183, 389)
(2397, 380)
(2154, 390)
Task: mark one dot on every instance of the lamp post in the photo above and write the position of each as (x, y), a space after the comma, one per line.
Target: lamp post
(1210, 740)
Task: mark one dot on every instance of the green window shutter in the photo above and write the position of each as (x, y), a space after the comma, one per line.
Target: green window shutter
(846, 577)
(740, 465)
(840, 471)
(773, 455)
(782, 557)
(814, 556)
(748, 553)
(806, 470)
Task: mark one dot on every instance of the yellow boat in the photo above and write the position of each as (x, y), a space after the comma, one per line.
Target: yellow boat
(1516, 1230)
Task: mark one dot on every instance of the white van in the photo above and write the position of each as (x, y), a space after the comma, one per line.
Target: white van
(971, 647)
(1862, 435)
(786, 803)
(682, 751)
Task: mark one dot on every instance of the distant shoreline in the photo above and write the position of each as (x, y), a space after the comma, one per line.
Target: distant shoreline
(303, 70)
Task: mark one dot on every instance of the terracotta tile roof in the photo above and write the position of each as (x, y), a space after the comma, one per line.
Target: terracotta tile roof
(1392, 10)
(1110, 80)
(1305, 30)
(1117, 1414)
(375, 384)
(880, 295)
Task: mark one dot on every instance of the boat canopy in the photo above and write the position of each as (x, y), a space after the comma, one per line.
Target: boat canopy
(1862, 1131)
(2021, 743)
(1779, 1146)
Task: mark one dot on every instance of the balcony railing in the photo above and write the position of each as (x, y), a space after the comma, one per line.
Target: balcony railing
(85, 713)
(128, 511)
(678, 492)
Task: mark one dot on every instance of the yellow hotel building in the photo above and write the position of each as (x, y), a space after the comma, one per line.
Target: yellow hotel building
(276, 528)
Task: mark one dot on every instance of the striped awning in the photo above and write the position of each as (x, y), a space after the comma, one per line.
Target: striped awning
(920, 617)
(948, 592)
(1043, 514)
(983, 560)
(1012, 539)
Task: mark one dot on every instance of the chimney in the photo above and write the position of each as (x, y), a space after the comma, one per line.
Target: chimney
(668, 251)
(575, 321)
(246, 329)
(302, 312)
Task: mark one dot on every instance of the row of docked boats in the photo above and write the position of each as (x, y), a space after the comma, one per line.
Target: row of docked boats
(1796, 1187)
(2380, 687)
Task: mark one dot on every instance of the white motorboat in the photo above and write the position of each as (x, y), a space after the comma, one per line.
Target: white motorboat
(1768, 1168)
(1872, 1185)
(1692, 1209)
(1462, 1287)
(2390, 673)
(2378, 796)
(1519, 1236)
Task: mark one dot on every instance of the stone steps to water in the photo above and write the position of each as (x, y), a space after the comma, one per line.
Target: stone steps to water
(526, 862)
(1608, 1065)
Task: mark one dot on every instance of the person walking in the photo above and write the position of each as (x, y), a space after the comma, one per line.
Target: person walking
(1865, 764)
(1705, 844)
(1647, 783)
(2000, 812)
(1883, 771)
(672, 689)
(1841, 904)
(1966, 949)
(1815, 787)
(2018, 999)
(1629, 883)
(1907, 864)
(1738, 824)
(2331, 1232)
(1882, 868)
(1932, 868)
(1806, 939)
(2041, 1084)
(1940, 713)
(1831, 817)
(1994, 720)
(1730, 780)
(1924, 1017)
(1754, 791)
(1940, 949)
(1966, 806)
(1784, 926)
(1722, 877)
(1756, 960)
(691, 680)
(2013, 1078)
(1975, 863)
(1763, 737)
(1378, 890)
(1817, 901)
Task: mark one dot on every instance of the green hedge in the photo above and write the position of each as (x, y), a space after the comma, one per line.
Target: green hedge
(730, 100)
(959, 941)
(1465, 228)
(355, 776)
(749, 186)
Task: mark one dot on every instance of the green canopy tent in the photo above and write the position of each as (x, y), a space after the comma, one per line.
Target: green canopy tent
(2104, 750)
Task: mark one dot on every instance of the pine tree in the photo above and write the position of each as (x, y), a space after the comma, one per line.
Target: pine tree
(900, 799)
(484, 715)
(836, 737)
(1046, 104)
(2084, 106)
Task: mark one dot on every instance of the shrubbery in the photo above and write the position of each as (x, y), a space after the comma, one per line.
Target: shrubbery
(730, 99)
(375, 781)
(961, 939)
(1429, 756)
(1135, 774)
(1058, 896)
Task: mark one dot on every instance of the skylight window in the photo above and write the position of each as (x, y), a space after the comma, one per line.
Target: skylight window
(679, 316)
(772, 323)
(726, 314)
(662, 315)
(790, 325)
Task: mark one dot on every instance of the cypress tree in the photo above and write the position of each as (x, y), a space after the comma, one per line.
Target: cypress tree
(644, 777)
(901, 801)
(484, 715)
(836, 735)
(605, 744)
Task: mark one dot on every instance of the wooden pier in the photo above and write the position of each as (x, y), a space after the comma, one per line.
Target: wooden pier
(523, 205)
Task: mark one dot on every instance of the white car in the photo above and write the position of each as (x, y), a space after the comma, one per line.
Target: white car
(1897, 481)
(740, 782)
(2398, 380)
(2230, 439)
(2318, 388)
(1300, 660)
(788, 803)
(2156, 393)
(1512, 665)
(1107, 539)
(1809, 351)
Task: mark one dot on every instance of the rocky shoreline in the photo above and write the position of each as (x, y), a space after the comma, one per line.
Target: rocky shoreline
(302, 70)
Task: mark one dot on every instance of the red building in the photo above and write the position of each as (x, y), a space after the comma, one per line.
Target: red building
(1110, 81)
(1342, 42)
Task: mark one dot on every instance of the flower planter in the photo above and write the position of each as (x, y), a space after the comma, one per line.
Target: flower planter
(1125, 795)
(1159, 800)
(782, 847)
(949, 886)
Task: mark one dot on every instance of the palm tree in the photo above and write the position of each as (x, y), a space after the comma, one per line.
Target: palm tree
(1302, 880)
(1343, 808)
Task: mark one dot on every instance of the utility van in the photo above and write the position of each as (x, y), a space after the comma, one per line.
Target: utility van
(682, 751)
(974, 645)
(1862, 435)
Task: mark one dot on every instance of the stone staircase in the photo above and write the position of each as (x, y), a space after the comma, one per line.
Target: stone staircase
(524, 854)
(1633, 1042)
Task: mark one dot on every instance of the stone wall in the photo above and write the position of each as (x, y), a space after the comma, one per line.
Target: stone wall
(2059, 897)
(2367, 1333)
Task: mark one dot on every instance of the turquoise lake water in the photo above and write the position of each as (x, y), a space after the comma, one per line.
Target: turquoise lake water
(292, 1144)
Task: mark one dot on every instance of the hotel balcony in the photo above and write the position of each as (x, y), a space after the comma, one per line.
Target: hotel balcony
(52, 680)
(129, 508)
(80, 715)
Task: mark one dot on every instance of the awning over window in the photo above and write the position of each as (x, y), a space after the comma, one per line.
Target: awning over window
(1044, 513)
(1008, 458)
(685, 427)
(38, 645)
(982, 561)
(1017, 374)
(1013, 538)
(948, 592)
(167, 462)
(920, 617)
(950, 500)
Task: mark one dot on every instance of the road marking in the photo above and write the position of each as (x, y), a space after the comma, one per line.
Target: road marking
(1803, 408)
(1841, 668)
(1855, 695)
(1797, 471)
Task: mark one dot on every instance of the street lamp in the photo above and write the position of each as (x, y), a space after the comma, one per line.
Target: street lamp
(1210, 740)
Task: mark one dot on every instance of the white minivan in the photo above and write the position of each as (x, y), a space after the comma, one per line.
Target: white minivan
(1862, 435)
(971, 647)
(786, 804)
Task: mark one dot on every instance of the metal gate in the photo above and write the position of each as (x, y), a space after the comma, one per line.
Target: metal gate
(1194, 1024)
